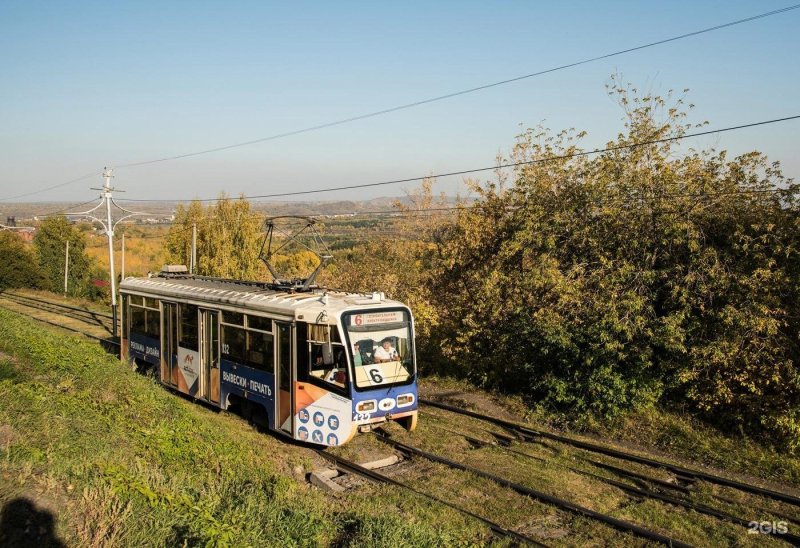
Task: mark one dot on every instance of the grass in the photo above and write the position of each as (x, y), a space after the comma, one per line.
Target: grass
(683, 435)
(118, 460)
(679, 437)
(560, 470)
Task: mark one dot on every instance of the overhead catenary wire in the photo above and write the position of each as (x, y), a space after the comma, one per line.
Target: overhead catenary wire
(336, 218)
(65, 211)
(39, 191)
(428, 100)
(339, 221)
(464, 91)
(582, 153)
(553, 158)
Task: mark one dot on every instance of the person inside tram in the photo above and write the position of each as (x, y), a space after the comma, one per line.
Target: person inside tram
(358, 359)
(386, 352)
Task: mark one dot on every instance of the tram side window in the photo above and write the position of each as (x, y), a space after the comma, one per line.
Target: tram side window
(188, 333)
(327, 360)
(145, 316)
(137, 319)
(233, 318)
(249, 347)
(233, 343)
(260, 352)
(152, 322)
(257, 322)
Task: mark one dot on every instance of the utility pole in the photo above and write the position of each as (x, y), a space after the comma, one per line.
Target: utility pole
(194, 248)
(107, 176)
(109, 225)
(66, 268)
(123, 255)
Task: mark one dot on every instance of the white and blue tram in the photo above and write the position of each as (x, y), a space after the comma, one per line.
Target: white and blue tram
(315, 365)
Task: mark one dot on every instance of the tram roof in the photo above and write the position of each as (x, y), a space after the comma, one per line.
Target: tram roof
(302, 305)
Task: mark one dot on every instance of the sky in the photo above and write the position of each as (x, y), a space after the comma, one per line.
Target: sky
(93, 84)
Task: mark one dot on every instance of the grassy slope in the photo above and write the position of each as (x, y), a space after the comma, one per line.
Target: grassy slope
(121, 461)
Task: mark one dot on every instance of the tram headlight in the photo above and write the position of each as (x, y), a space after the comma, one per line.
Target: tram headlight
(404, 400)
(366, 406)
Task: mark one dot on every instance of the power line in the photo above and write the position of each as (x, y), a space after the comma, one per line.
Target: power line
(464, 91)
(71, 181)
(434, 211)
(424, 101)
(497, 166)
(441, 211)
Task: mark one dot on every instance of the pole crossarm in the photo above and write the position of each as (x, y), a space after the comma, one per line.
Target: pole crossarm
(109, 224)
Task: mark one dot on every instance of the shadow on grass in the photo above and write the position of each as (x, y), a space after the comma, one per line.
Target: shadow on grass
(22, 524)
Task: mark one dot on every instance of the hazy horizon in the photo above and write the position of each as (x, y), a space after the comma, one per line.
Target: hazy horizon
(89, 85)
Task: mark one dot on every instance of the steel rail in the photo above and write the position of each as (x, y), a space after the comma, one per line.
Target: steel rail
(53, 309)
(538, 495)
(350, 467)
(636, 491)
(699, 508)
(61, 326)
(83, 315)
(60, 305)
(642, 477)
(610, 468)
(679, 470)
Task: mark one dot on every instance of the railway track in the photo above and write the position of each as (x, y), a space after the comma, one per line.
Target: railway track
(87, 317)
(631, 490)
(551, 500)
(349, 467)
(674, 494)
(530, 434)
(81, 314)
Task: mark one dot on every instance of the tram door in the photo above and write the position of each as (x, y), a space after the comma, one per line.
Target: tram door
(169, 342)
(209, 386)
(284, 372)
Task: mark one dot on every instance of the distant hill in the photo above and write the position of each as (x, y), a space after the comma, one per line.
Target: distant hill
(25, 212)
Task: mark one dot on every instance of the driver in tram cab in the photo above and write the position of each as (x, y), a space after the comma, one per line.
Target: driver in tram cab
(385, 353)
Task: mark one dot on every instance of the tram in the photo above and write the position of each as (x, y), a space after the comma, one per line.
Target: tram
(313, 364)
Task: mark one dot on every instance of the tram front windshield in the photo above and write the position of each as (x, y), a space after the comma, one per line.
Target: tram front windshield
(381, 348)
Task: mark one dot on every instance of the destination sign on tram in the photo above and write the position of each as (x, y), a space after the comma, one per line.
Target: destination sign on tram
(376, 318)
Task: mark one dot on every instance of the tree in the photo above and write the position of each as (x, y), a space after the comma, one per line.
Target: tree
(401, 264)
(50, 243)
(19, 267)
(228, 239)
(178, 242)
(640, 276)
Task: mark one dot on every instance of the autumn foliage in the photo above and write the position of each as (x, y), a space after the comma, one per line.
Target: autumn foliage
(652, 274)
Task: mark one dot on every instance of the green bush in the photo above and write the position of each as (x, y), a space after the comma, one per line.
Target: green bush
(18, 266)
(50, 243)
(596, 285)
